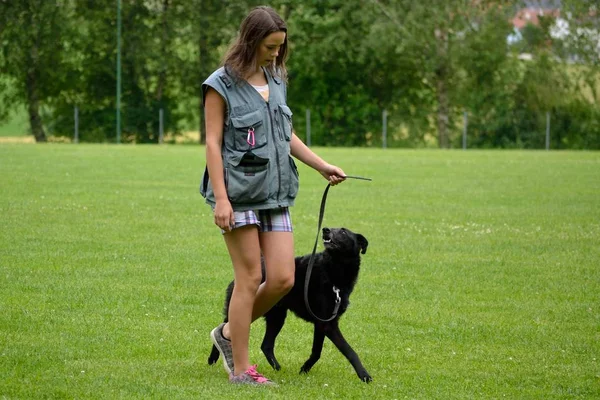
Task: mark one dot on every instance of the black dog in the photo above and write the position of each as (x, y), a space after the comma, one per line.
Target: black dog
(335, 268)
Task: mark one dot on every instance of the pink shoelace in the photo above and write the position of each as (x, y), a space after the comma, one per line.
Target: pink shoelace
(255, 375)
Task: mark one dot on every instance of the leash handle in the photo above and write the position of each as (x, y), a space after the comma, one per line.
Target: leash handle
(358, 177)
(311, 261)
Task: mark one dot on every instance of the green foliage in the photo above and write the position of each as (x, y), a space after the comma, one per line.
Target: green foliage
(322, 71)
(489, 80)
(576, 126)
(481, 278)
(424, 62)
(12, 113)
(147, 56)
(34, 55)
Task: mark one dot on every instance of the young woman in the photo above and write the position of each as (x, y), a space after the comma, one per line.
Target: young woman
(251, 180)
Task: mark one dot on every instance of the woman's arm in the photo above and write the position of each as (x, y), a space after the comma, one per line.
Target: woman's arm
(330, 172)
(214, 115)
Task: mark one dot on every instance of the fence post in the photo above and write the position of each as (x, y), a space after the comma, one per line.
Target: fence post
(118, 71)
(465, 127)
(547, 130)
(161, 133)
(76, 118)
(384, 135)
(308, 127)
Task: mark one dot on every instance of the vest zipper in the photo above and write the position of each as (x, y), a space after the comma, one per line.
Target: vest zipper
(276, 154)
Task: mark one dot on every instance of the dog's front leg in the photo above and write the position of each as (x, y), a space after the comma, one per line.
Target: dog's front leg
(335, 335)
(317, 347)
(274, 318)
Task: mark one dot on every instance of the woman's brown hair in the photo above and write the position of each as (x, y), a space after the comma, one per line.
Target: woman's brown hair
(240, 59)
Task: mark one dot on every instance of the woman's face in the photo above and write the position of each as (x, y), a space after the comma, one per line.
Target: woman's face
(268, 49)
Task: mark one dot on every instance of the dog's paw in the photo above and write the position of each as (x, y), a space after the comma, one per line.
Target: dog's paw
(274, 364)
(304, 370)
(308, 365)
(365, 377)
(213, 358)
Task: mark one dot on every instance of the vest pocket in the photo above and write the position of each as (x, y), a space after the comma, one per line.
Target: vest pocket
(205, 188)
(286, 121)
(247, 182)
(248, 131)
(294, 179)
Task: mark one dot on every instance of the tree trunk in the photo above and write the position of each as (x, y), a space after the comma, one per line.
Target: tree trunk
(442, 74)
(33, 103)
(31, 78)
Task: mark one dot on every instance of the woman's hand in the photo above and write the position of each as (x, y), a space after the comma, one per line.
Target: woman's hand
(333, 174)
(224, 217)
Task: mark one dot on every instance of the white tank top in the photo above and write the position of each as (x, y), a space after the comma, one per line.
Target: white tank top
(263, 91)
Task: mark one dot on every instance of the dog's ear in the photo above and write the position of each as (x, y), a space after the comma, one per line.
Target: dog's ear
(362, 242)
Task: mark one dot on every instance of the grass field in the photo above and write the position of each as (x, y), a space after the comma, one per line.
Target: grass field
(16, 125)
(481, 279)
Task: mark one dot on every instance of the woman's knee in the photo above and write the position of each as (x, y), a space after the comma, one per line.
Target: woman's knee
(282, 284)
(289, 283)
(248, 281)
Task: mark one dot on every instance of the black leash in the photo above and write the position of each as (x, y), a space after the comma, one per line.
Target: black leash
(311, 261)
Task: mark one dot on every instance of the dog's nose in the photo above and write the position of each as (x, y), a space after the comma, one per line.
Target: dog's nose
(326, 230)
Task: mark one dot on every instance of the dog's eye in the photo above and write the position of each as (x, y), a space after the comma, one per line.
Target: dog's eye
(343, 231)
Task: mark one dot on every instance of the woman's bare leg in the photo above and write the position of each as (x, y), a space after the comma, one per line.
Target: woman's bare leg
(244, 248)
(278, 252)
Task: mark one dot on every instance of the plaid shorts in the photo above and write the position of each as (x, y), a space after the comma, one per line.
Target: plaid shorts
(272, 220)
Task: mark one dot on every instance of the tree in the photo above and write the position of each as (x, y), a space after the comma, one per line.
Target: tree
(490, 74)
(206, 27)
(581, 45)
(436, 36)
(425, 62)
(561, 79)
(34, 47)
(149, 67)
(342, 70)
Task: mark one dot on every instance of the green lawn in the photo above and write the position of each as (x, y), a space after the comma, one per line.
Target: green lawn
(481, 279)
(16, 125)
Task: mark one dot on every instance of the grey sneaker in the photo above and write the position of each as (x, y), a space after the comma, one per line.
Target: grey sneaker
(251, 377)
(224, 346)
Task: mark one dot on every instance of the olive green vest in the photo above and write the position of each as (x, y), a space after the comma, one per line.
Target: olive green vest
(259, 171)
